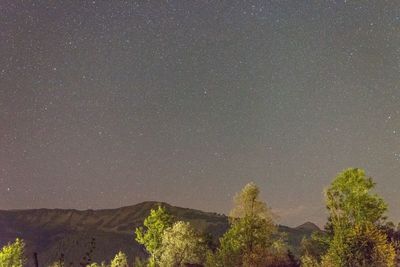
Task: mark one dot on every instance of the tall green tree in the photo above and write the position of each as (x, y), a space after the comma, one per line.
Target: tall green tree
(182, 245)
(253, 216)
(13, 254)
(350, 201)
(252, 236)
(355, 215)
(151, 236)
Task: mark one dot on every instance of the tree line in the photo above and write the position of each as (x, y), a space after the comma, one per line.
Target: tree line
(357, 233)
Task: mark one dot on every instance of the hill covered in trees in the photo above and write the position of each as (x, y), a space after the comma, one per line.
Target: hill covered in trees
(154, 234)
(52, 232)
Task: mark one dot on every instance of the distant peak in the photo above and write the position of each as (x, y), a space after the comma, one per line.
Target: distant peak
(308, 226)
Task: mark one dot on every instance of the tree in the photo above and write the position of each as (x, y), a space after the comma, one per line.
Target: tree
(350, 202)
(369, 247)
(313, 248)
(393, 234)
(364, 245)
(355, 214)
(119, 260)
(13, 254)
(181, 245)
(254, 216)
(151, 237)
(309, 261)
(252, 233)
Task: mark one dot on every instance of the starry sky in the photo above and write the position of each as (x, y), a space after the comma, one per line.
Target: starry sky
(109, 103)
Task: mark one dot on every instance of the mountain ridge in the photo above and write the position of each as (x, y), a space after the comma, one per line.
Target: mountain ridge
(52, 232)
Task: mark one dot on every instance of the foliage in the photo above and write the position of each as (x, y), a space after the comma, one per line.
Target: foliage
(313, 248)
(355, 214)
(393, 234)
(119, 260)
(365, 245)
(252, 234)
(13, 254)
(181, 245)
(248, 204)
(350, 202)
(229, 252)
(156, 223)
(276, 255)
(309, 261)
(368, 240)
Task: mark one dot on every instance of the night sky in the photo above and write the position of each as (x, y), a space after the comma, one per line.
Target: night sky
(109, 103)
